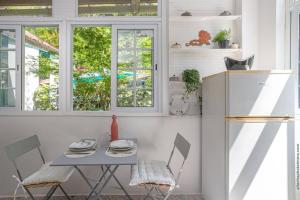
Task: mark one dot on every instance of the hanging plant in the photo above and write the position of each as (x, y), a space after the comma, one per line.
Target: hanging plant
(191, 77)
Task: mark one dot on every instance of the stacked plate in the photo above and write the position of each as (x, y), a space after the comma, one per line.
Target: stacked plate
(121, 146)
(84, 146)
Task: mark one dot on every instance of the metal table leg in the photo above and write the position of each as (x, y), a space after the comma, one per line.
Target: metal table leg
(109, 177)
(86, 180)
(113, 174)
(98, 183)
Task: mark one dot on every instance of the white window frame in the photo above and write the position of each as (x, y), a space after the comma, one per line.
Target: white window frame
(18, 89)
(114, 64)
(114, 108)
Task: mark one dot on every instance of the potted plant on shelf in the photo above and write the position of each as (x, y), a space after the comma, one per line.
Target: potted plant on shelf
(191, 78)
(223, 39)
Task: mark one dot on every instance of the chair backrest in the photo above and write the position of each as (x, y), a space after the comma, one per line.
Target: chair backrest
(182, 145)
(22, 147)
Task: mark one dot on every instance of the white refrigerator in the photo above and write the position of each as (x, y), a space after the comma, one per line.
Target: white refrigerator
(248, 136)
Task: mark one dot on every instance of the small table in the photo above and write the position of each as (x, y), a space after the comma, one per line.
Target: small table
(99, 158)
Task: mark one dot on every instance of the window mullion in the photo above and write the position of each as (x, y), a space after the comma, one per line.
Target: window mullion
(134, 70)
(114, 68)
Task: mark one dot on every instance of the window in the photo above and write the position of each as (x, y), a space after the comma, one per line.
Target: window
(26, 8)
(135, 61)
(91, 68)
(62, 64)
(9, 67)
(118, 8)
(41, 68)
(113, 67)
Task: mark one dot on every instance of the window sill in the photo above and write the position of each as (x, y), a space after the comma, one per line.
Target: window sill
(81, 114)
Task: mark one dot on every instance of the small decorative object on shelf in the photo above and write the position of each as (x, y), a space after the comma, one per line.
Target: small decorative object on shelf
(114, 128)
(233, 64)
(223, 39)
(176, 46)
(204, 39)
(174, 78)
(179, 106)
(234, 46)
(186, 13)
(225, 13)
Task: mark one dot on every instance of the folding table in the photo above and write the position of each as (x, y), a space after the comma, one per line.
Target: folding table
(99, 158)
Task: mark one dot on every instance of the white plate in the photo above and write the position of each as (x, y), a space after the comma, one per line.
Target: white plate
(83, 144)
(122, 144)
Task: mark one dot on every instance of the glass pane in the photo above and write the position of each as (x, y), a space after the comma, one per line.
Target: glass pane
(125, 39)
(135, 65)
(126, 59)
(7, 59)
(145, 39)
(41, 72)
(144, 79)
(91, 68)
(7, 97)
(125, 79)
(144, 60)
(144, 98)
(125, 98)
(26, 8)
(7, 79)
(8, 39)
(117, 8)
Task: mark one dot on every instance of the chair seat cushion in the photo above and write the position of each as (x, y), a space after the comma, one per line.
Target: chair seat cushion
(48, 174)
(151, 172)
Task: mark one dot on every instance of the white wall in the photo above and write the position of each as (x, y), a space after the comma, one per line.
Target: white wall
(264, 32)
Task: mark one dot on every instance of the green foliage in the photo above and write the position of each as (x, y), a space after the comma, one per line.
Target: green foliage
(43, 100)
(191, 77)
(47, 34)
(92, 52)
(222, 35)
(45, 67)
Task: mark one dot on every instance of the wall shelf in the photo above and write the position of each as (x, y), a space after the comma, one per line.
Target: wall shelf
(204, 18)
(204, 50)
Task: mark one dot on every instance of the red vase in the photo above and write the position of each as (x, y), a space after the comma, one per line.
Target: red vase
(114, 128)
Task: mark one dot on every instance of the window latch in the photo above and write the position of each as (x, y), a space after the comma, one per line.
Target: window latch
(155, 66)
(18, 67)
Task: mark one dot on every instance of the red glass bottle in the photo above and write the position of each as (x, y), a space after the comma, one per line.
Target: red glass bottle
(114, 128)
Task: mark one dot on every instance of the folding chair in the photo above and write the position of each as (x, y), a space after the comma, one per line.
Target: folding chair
(157, 176)
(46, 176)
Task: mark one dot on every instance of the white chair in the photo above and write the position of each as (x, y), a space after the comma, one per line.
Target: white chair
(157, 176)
(46, 176)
